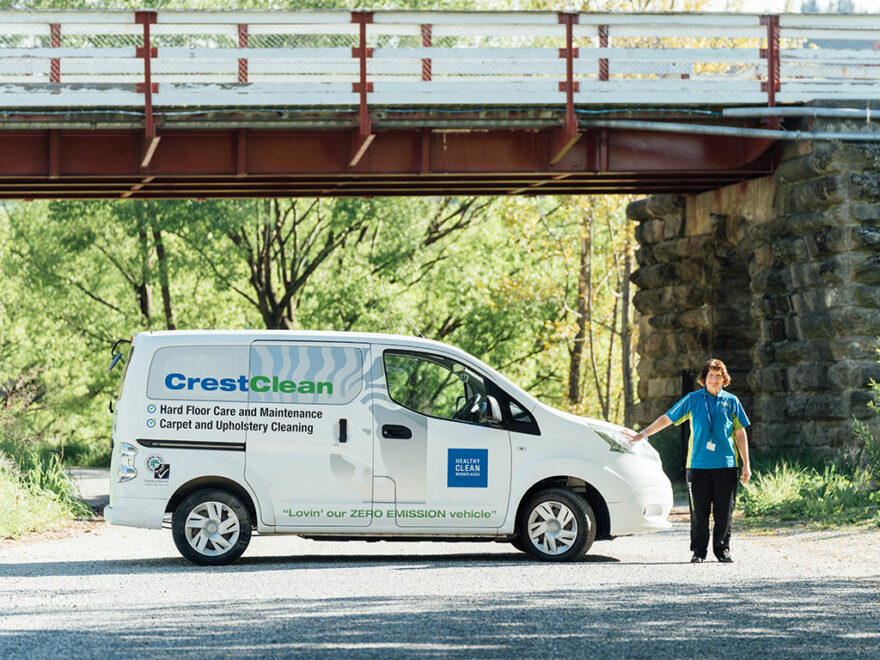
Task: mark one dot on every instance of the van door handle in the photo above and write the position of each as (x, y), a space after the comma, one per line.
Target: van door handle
(343, 430)
(396, 431)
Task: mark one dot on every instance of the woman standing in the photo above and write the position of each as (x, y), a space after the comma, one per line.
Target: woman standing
(717, 448)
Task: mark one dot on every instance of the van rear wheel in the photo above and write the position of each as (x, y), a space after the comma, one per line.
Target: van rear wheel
(211, 527)
(557, 525)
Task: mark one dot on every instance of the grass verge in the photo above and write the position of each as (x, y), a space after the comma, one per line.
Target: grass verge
(823, 496)
(26, 508)
(36, 491)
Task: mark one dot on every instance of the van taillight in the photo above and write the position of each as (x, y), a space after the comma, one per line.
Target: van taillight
(127, 470)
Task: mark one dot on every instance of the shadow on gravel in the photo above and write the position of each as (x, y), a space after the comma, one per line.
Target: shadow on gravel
(748, 618)
(289, 563)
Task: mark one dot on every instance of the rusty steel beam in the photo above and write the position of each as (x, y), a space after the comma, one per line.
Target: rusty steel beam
(246, 162)
(196, 188)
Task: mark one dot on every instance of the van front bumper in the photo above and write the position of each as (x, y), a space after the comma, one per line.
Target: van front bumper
(136, 512)
(646, 510)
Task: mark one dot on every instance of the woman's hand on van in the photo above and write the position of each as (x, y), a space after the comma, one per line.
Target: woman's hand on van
(633, 436)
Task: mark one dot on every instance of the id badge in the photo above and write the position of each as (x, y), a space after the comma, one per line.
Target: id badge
(710, 446)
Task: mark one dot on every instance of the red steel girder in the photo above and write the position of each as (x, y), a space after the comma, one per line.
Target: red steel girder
(248, 162)
(367, 185)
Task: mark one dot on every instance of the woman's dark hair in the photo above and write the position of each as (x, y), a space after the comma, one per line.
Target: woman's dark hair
(714, 363)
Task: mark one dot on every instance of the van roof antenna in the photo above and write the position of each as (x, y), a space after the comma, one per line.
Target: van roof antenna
(418, 332)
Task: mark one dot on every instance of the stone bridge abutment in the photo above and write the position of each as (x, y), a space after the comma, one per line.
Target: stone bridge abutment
(780, 278)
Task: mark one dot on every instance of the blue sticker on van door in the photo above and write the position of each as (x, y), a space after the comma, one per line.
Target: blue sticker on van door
(468, 468)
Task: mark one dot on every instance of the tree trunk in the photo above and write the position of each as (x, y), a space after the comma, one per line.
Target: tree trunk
(606, 400)
(626, 337)
(592, 339)
(575, 394)
(170, 322)
(144, 288)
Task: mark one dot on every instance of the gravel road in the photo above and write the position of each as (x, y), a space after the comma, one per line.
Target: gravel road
(122, 592)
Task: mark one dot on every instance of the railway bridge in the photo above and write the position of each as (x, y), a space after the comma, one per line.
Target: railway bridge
(753, 136)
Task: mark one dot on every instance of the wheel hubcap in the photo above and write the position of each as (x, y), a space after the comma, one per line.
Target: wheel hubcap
(552, 527)
(212, 528)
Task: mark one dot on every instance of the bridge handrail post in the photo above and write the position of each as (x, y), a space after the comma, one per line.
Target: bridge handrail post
(242, 61)
(427, 42)
(569, 86)
(148, 87)
(603, 61)
(565, 137)
(362, 87)
(55, 62)
(771, 54)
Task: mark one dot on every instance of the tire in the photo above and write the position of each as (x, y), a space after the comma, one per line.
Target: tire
(211, 527)
(557, 525)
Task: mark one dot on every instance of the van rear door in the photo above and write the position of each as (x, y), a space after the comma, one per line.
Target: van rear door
(310, 437)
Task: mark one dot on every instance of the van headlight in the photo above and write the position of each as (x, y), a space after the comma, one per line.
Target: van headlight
(126, 470)
(620, 443)
(616, 440)
(646, 450)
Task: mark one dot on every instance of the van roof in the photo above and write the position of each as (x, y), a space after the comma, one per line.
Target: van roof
(215, 336)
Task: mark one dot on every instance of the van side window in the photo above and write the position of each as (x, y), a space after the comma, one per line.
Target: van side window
(435, 385)
(521, 421)
(517, 414)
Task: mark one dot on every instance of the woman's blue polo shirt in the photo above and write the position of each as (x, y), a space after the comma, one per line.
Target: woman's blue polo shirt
(713, 418)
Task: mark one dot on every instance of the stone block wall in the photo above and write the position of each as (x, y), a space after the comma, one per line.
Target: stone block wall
(780, 278)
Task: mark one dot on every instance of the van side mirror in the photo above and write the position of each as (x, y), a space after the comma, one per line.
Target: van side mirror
(494, 411)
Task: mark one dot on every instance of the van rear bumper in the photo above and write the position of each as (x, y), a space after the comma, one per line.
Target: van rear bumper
(646, 510)
(136, 512)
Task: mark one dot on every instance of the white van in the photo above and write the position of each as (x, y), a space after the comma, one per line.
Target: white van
(361, 436)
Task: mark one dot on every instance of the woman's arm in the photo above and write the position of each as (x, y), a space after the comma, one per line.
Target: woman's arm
(657, 425)
(742, 443)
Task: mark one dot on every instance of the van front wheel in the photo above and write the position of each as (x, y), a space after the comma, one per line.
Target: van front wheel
(211, 527)
(557, 525)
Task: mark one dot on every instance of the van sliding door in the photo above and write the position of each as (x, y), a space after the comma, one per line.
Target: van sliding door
(310, 437)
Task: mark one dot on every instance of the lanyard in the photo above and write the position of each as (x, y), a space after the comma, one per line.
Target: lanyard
(709, 444)
(708, 412)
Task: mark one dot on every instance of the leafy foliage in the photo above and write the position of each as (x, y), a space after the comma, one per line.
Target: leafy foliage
(869, 455)
(828, 496)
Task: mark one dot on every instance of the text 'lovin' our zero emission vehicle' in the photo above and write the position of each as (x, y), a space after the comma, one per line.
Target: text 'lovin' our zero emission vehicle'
(345, 436)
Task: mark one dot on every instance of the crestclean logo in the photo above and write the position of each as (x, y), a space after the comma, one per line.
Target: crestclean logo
(260, 384)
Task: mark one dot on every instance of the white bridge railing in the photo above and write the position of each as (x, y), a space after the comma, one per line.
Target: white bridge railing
(432, 59)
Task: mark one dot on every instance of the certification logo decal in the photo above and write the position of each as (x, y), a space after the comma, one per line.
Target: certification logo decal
(157, 465)
(467, 468)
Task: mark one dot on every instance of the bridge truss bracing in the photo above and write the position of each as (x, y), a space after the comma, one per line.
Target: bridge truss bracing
(259, 104)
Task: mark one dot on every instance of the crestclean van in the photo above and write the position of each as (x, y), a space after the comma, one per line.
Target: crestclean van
(346, 436)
